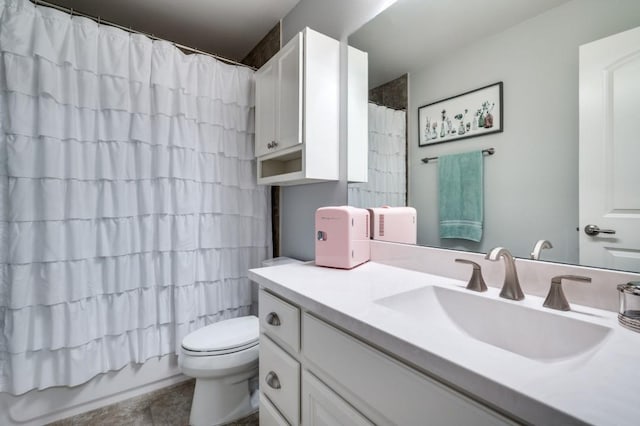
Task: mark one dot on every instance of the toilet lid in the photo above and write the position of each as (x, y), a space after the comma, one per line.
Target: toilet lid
(223, 335)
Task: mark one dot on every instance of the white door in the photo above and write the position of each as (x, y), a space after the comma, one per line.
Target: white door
(610, 151)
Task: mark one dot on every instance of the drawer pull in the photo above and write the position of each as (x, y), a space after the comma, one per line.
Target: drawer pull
(273, 319)
(272, 380)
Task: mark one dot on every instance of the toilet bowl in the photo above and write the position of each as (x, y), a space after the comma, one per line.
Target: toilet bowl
(222, 357)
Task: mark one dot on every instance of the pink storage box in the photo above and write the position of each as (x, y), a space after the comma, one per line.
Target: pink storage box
(395, 224)
(342, 237)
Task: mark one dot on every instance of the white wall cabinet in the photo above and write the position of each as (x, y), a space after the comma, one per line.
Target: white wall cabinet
(297, 112)
(342, 380)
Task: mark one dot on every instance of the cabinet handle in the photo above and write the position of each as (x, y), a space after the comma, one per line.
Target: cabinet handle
(273, 319)
(272, 380)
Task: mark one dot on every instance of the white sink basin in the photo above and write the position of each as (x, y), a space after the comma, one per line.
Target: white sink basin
(537, 334)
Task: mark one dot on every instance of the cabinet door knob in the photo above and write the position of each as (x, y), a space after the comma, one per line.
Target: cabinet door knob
(272, 380)
(273, 319)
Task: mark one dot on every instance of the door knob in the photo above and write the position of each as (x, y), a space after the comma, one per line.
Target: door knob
(593, 230)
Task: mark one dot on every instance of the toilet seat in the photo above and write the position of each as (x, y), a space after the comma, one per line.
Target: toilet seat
(223, 337)
(192, 352)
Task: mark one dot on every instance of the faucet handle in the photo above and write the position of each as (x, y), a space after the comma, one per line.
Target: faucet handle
(476, 282)
(556, 299)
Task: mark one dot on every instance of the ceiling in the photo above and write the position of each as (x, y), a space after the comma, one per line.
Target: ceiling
(229, 28)
(412, 33)
(409, 34)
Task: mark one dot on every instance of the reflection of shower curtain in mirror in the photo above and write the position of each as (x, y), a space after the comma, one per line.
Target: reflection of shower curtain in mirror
(129, 211)
(387, 151)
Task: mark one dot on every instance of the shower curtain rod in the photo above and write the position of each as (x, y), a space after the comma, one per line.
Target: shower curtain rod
(100, 21)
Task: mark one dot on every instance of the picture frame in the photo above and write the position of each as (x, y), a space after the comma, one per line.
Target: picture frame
(463, 116)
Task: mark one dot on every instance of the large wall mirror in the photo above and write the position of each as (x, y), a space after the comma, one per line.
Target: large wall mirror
(531, 183)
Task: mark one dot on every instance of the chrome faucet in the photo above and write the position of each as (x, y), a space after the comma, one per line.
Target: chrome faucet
(541, 244)
(511, 287)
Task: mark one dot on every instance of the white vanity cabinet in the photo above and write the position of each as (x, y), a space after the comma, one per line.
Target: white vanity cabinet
(297, 112)
(343, 380)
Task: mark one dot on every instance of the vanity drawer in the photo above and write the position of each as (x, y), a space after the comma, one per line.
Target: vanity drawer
(280, 321)
(280, 379)
(269, 415)
(394, 393)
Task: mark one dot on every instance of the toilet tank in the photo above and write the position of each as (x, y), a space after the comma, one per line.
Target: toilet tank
(342, 237)
(395, 224)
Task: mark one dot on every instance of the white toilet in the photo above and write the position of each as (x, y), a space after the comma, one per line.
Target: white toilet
(222, 357)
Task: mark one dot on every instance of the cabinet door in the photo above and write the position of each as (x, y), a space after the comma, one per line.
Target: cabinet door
(323, 407)
(382, 388)
(290, 101)
(266, 81)
(269, 415)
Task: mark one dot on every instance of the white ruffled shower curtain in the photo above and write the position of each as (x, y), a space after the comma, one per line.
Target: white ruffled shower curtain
(129, 212)
(387, 161)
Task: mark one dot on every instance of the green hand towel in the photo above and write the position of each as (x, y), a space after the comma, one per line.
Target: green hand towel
(460, 195)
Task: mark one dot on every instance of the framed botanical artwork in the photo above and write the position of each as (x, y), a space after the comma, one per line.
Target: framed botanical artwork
(470, 114)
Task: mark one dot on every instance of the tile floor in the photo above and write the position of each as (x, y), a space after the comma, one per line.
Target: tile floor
(165, 407)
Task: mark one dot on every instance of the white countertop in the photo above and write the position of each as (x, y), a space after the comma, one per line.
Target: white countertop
(600, 386)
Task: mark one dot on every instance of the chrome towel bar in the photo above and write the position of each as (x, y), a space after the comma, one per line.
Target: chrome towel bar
(488, 151)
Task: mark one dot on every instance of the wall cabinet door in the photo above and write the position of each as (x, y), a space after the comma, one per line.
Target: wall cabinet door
(323, 407)
(279, 100)
(290, 96)
(266, 80)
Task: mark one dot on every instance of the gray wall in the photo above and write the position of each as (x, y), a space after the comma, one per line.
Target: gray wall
(337, 19)
(531, 183)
